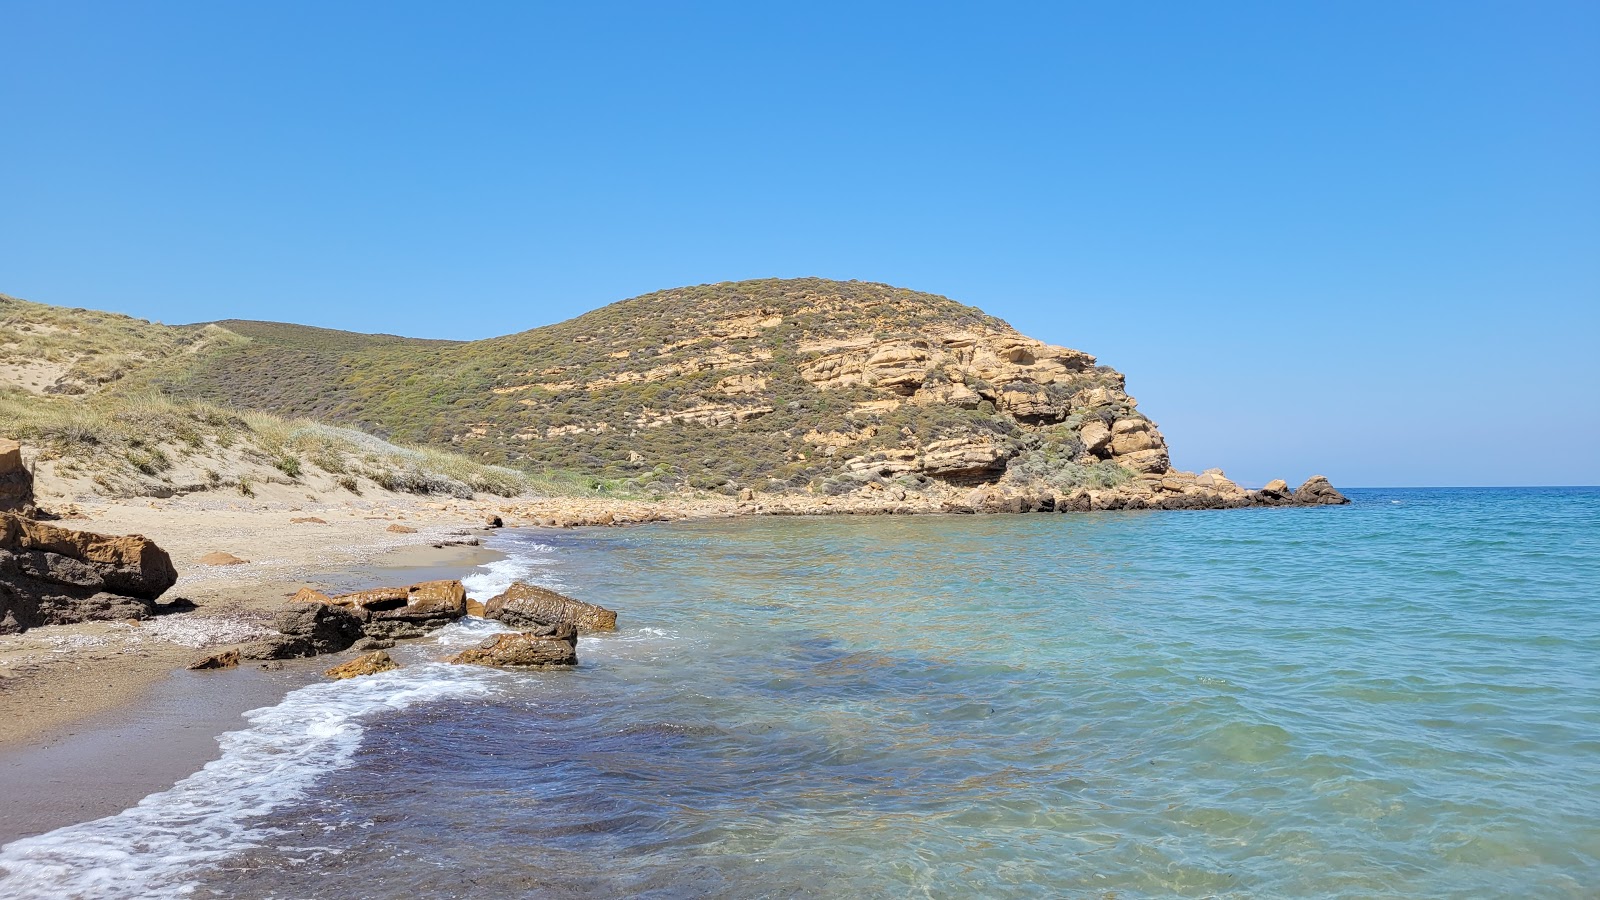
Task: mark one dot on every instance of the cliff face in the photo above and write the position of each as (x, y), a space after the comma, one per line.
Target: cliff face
(811, 386)
(798, 388)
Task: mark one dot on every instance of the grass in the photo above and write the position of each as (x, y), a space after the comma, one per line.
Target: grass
(129, 443)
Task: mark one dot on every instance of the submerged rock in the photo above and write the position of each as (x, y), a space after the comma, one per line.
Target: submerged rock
(370, 664)
(523, 605)
(548, 645)
(56, 576)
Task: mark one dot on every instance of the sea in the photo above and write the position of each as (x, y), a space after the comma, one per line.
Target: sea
(1396, 698)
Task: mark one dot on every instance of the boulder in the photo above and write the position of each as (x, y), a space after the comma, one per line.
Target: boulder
(494, 522)
(370, 664)
(523, 605)
(55, 576)
(1317, 491)
(397, 528)
(1096, 438)
(227, 659)
(1274, 493)
(221, 558)
(16, 482)
(308, 629)
(547, 645)
(400, 612)
(965, 460)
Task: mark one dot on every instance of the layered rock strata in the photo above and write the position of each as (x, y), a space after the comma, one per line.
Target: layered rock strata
(544, 645)
(56, 576)
(525, 605)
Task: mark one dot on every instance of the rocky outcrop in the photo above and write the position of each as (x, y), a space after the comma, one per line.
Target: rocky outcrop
(16, 482)
(1318, 492)
(525, 605)
(401, 612)
(546, 645)
(307, 629)
(55, 576)
(225, 659)
(369, 664)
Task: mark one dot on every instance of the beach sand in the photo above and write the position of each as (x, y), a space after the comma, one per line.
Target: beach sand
(94, 717)
(54, 677)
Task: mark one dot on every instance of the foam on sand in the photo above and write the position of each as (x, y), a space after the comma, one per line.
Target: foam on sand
(155, 848)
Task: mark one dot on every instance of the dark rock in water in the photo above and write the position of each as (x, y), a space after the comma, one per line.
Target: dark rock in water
(524, 605)
(1318, 492)
(548, 645)
(494, 522)
(307, 629)
(1275, 493)
(55, 576)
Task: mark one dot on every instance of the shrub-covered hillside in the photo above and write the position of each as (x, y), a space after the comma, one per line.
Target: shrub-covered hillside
(775, 385)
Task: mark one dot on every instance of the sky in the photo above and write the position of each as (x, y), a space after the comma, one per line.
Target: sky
(1355, 239)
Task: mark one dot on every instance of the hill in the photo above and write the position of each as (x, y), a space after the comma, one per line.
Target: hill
(778, 387)
(71, 387)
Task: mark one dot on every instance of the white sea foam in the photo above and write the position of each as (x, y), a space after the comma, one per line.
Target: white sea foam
(154, 848)
(525, 561)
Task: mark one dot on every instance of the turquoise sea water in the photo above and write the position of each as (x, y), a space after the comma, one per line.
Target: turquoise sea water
(1399, 698)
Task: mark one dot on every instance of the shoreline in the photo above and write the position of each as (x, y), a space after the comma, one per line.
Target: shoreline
(56, 676)
(138, 730)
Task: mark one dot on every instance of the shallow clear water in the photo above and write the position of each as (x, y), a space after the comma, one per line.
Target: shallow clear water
(1397, 698)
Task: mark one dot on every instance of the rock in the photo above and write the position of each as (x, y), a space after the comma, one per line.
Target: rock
(220, 558)
(308, 520)
(1096, 438)
(397, 528)
(1274, 493)
(370, 664)
(523, 605)
(307, 629)
(494, 522)
(227, 659)
(406, 612)
(474, 608)
(372, 643)
(310, 595)
(16, 482)
(1317, 491)
(965, 461)
(56, 576)
(549, 645)
(994, 500)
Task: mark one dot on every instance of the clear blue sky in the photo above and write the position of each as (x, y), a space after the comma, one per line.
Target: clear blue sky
(1355, 238)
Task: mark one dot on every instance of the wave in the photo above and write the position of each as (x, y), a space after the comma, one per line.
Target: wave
(525, 561)
(155, 848)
